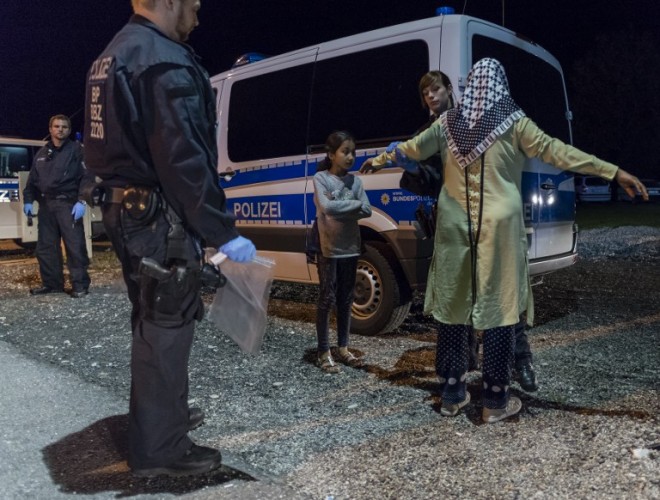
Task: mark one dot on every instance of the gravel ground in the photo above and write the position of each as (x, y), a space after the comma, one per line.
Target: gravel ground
(591, 430)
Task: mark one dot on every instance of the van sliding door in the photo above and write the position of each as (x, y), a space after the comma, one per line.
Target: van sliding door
(265, 169)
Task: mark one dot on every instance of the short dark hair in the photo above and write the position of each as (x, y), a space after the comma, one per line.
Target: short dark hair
(435, 78)
(59, 117)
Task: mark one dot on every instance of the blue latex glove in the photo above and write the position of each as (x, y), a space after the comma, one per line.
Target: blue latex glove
(402, 160)
(391, 147)
(27, 209)
(239, 249)
(78, 210)
(406, 163)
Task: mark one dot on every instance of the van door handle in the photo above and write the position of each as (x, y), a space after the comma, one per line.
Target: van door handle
(547, 186)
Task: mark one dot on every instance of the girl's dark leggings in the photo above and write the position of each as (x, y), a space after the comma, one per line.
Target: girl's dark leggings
(337, 280)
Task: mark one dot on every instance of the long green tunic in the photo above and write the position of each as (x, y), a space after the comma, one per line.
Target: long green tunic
(503, 290)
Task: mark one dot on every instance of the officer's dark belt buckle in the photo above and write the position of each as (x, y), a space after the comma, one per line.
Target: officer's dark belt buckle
(141, 203)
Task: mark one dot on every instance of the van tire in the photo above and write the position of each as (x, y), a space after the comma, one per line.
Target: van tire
(381, 301)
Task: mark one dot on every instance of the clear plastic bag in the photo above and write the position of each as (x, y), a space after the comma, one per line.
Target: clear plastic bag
(240, 308)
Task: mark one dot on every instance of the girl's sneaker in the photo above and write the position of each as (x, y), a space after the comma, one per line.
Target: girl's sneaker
(347, 358)
(327, 364)
(451, 409)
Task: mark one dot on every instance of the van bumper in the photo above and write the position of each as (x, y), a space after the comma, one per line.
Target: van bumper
(555, 262)
(416, 269)
(551, 264)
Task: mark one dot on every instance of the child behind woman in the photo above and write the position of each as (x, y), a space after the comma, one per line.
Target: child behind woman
(340, 202)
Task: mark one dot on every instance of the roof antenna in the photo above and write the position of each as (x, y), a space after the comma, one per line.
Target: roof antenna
(502, 13)
(464, 5)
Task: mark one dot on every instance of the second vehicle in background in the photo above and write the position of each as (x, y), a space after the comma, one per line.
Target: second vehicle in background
(591, 188)
(652, 187)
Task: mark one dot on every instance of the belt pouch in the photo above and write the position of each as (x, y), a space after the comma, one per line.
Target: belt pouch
(142, 204)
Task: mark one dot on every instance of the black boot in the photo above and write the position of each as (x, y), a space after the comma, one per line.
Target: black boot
(195, 418)
(526, 376)
(197, 460)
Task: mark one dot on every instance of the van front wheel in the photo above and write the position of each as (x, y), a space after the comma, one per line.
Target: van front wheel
(381, 302)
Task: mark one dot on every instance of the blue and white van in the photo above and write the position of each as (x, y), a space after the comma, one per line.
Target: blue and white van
(275, 114)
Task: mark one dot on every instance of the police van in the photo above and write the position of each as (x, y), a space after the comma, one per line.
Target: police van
(16, 156)
(276, 112)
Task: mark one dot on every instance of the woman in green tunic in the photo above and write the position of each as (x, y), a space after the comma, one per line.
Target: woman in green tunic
(479, 275)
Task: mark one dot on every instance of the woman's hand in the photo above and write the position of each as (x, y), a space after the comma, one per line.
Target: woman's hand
(631, 184)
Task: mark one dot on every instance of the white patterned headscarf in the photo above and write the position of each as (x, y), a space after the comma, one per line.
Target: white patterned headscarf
(485, 112)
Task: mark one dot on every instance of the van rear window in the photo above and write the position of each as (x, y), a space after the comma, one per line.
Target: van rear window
(535, 85)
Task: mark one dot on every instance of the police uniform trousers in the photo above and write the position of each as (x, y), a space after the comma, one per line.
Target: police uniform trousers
(523, 353)
(55, 225)
(161, 343)
(451, 363)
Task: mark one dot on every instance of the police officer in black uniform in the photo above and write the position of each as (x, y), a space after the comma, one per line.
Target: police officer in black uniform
(150, 136)
(54, 181)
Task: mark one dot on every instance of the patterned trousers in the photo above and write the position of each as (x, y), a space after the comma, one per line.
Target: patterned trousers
(451, 363)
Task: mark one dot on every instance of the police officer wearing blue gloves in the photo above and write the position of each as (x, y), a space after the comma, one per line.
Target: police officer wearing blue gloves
(55, 181)
(150, 136)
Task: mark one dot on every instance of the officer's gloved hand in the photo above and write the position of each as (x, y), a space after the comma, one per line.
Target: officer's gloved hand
(392, 146)
(406, 163)
(27, 209)
(239, 249)
(401, 160)
(78, 210)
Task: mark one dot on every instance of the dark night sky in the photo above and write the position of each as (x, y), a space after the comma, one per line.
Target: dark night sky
(46, 47)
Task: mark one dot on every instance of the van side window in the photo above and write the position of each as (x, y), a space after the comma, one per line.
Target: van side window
(268, 115)
(535, 85)
(373, 93)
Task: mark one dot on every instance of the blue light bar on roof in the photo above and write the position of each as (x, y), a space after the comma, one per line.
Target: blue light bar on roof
(248, 58)
(444, 11)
